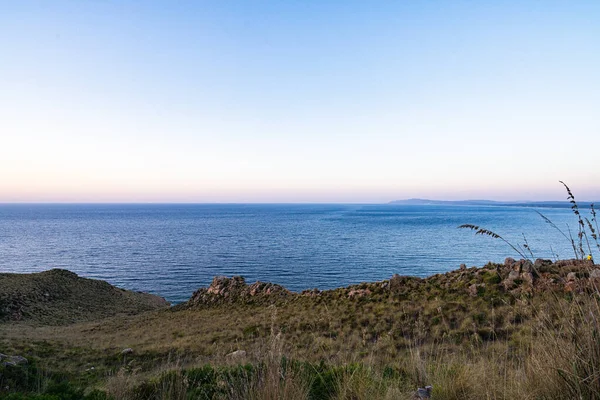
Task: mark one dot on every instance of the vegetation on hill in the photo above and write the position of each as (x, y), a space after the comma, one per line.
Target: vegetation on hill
(491, 332)
(58, 297)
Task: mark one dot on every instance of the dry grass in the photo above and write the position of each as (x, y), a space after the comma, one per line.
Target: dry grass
(553, 355)
(495, 344)
(333, 327)
(60, 297)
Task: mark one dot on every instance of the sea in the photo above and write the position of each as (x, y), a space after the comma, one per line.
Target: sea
(173, 249)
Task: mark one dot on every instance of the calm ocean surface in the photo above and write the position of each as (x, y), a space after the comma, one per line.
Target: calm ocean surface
(171, 250)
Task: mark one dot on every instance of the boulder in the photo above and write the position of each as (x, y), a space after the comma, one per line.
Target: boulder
(473, 290)
(509, 262)
(223, 286)
(513, 275)
(527, 277)
(12, 361)
(18, 360)
(235, 290)
(423, 393)
(526, 266)
(540, 263)
(509, 282)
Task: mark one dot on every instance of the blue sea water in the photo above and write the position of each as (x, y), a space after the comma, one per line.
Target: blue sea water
(173, 249)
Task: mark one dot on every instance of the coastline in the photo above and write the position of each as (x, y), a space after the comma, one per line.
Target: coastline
(460, 318)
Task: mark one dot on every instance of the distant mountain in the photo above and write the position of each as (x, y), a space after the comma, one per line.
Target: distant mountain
(428, 202)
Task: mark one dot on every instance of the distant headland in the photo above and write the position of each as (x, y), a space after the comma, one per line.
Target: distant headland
(550, 204)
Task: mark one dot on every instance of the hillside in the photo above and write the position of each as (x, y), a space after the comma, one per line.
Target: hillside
(470, 333)
(60, 297)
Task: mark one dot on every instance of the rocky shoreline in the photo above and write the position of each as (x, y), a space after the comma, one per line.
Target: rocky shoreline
(514, 277)
(60, 296)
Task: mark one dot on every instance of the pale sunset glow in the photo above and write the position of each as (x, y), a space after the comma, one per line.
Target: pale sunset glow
(110, 101)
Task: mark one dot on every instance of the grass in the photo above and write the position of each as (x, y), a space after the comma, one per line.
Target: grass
(58, 297)
(408, 332)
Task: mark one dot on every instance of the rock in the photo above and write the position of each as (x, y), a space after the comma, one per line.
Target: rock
(127, 351)
(540, 262)
(237, 354)
(513, 275)
(18, 360)
(571, 277)
(223, 286)
(235, 289)
(265, 289)
(311, 293)
(564, 263)
(423, 393)
(574, 262)
(473, 290)
(12, 361)
(509, 282)
(463, 267)
(526, 266)
(509, 262)
(527, 277)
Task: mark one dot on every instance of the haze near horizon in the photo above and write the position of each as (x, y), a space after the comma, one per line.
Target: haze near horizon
(334, 101)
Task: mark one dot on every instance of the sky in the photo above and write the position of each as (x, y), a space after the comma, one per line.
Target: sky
(298, 101)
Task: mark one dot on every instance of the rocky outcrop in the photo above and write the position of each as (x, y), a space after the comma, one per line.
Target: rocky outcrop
(513, 278)
(235, 290)
(524, 276)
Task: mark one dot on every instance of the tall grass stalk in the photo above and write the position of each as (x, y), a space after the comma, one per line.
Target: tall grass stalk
(569, 238)
(581, 225)
(486, 232)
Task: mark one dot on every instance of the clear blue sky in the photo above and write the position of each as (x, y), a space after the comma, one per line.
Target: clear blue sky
(289, 101)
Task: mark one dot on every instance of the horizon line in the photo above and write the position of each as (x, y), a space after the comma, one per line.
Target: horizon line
(391, 202)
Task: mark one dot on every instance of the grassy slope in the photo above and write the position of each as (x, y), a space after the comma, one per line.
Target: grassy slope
(348, 323)
(475, 312)
(60, 297)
